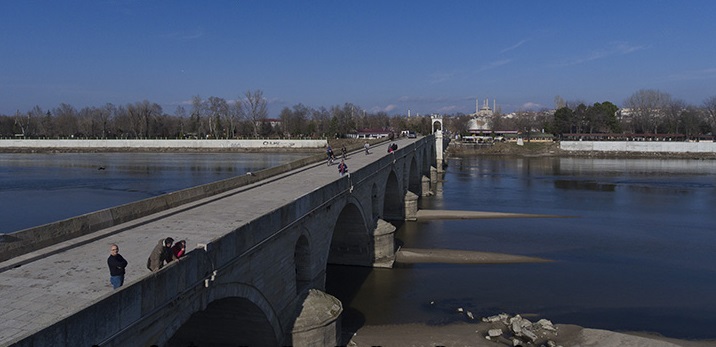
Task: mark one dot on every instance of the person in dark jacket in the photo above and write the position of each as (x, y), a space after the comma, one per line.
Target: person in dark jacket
(161, 254)
(116, 264)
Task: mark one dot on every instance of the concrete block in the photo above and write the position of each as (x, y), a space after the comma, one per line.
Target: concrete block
(494, 333)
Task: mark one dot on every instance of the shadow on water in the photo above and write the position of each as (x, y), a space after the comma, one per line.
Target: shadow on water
(345, 282)
(584, 185)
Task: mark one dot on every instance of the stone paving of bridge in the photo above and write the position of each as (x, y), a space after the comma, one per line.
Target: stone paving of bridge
(36, 294)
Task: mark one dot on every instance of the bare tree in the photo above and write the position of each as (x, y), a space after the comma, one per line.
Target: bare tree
(238, 124)
(66, 120)
(647, 109)
(710, 106)
(255, 109)
(322, 120)
(36, 118)
(104, 116)
(180, 115)
(198, 113)
(342, 121)
(457, 124)
(672, 121)
(692, 121)
(85, 122)
(294, 120)
(141, 115)
(218, 111)
(22, 123)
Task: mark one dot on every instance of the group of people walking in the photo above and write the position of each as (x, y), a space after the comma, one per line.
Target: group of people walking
(163, 253)
(342, 166)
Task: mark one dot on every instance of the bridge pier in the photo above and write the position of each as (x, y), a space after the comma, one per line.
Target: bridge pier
(318, 323)
(411, 206)
(433, 175)
(426, 191)
(384, 244)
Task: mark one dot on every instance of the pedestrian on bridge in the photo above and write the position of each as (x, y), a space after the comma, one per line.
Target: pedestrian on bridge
(342, 167)
(179, 249)
(162, 254)
(116, 264)
(366, 146)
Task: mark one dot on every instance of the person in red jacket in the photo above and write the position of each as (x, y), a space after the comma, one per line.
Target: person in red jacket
(179, 249)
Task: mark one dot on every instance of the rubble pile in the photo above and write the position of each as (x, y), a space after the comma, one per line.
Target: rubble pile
(517, 331)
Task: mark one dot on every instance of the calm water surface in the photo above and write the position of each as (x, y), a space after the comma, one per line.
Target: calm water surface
(638, 253)
(41, 188)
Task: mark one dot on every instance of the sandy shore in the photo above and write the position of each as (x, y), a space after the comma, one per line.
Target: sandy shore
(473, 334)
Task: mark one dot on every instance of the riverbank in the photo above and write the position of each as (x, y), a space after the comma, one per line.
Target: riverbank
(158, 145)
(473, 334)
(502, 329)
(180, 146)
(552, 149)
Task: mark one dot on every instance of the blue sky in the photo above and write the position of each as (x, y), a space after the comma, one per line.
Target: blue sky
(426, 56)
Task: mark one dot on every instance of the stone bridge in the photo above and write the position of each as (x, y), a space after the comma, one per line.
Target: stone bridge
(256, 273)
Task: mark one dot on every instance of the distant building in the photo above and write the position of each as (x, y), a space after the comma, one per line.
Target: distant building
(370, 134)
(482, 118)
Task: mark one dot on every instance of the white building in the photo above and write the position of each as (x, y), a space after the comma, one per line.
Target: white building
(481, 119)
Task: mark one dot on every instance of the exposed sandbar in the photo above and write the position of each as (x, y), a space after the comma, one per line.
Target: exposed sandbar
(451, 256)
(456, 214)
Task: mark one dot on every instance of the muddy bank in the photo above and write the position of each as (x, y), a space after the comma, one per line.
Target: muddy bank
(473, 334)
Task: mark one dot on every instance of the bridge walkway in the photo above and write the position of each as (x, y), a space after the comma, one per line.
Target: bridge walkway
(49, 285)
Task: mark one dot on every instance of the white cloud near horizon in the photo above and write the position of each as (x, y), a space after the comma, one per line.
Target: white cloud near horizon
(534, 106)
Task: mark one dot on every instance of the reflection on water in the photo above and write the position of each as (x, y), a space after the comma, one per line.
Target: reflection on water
(638, 254)
(585, 185)
(43, 188)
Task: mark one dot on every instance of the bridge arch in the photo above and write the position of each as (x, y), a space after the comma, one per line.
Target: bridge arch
(414, 177)
(393, 199)
(375, 201)
(350, 241)
(238, 315)
(302, 263)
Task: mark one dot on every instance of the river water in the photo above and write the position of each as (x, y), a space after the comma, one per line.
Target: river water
(635, 253)
(41, 188)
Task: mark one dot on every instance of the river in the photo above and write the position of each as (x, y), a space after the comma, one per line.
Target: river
(636, 252)
(41, 188)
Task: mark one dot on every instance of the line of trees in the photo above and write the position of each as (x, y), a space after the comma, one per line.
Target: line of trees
(644, 112)
(212, 117)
